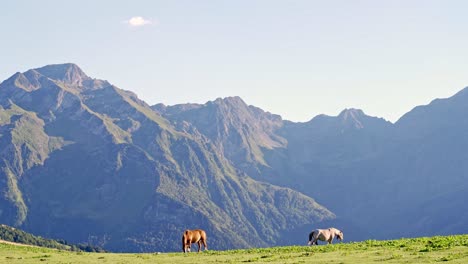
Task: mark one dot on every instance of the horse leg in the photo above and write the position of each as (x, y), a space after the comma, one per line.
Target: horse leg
(204, 244)
(189, 245)
(199, 245)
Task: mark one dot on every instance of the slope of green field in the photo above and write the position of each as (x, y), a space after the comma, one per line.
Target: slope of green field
(10, 234)
(452, 249)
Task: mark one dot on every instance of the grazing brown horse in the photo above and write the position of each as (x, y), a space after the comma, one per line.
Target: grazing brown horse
(324, 235)
(193, 236)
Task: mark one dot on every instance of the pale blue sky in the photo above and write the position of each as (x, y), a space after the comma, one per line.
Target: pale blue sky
(293, 58)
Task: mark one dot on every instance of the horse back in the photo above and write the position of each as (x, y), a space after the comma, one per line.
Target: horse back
(323, 234)
(194, 235)
(200, 234)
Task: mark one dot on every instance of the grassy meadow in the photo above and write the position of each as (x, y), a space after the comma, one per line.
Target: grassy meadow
(452, 249)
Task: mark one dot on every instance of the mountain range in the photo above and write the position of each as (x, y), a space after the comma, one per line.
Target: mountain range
(85, 161)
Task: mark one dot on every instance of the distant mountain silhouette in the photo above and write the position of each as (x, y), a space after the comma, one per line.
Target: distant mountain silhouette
(377, 177)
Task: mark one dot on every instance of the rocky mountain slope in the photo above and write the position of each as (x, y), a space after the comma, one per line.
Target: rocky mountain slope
(382, 180)
(85, 161)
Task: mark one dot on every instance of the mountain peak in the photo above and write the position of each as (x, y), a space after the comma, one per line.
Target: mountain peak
(67, 72)
(351, 112)
(230, 100)
(352, 117)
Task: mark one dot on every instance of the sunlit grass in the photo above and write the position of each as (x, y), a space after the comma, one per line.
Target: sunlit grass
(453, 249)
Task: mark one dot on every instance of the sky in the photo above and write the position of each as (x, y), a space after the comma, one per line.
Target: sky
(297, 59)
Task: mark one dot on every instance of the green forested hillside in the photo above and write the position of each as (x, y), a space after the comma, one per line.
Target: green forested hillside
(10, 234)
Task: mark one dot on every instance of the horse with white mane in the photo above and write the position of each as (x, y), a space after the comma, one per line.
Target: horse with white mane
(324, 235)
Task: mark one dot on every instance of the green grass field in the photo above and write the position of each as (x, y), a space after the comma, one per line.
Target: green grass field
(452, 249)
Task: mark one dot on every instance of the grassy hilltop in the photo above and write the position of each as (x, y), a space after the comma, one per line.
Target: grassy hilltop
(452, 249)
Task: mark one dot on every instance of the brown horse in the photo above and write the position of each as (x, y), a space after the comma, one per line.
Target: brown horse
(193, 236)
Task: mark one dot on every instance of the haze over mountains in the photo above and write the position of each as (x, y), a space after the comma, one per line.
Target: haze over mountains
(85, 161)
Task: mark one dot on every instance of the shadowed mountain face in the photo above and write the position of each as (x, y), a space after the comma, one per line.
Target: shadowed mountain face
(382, 180)
(83, 160)
(239, 131)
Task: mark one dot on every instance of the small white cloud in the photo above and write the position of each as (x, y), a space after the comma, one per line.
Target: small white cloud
(138, 21)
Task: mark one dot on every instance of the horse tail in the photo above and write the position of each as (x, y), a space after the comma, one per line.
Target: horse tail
(311, 235)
